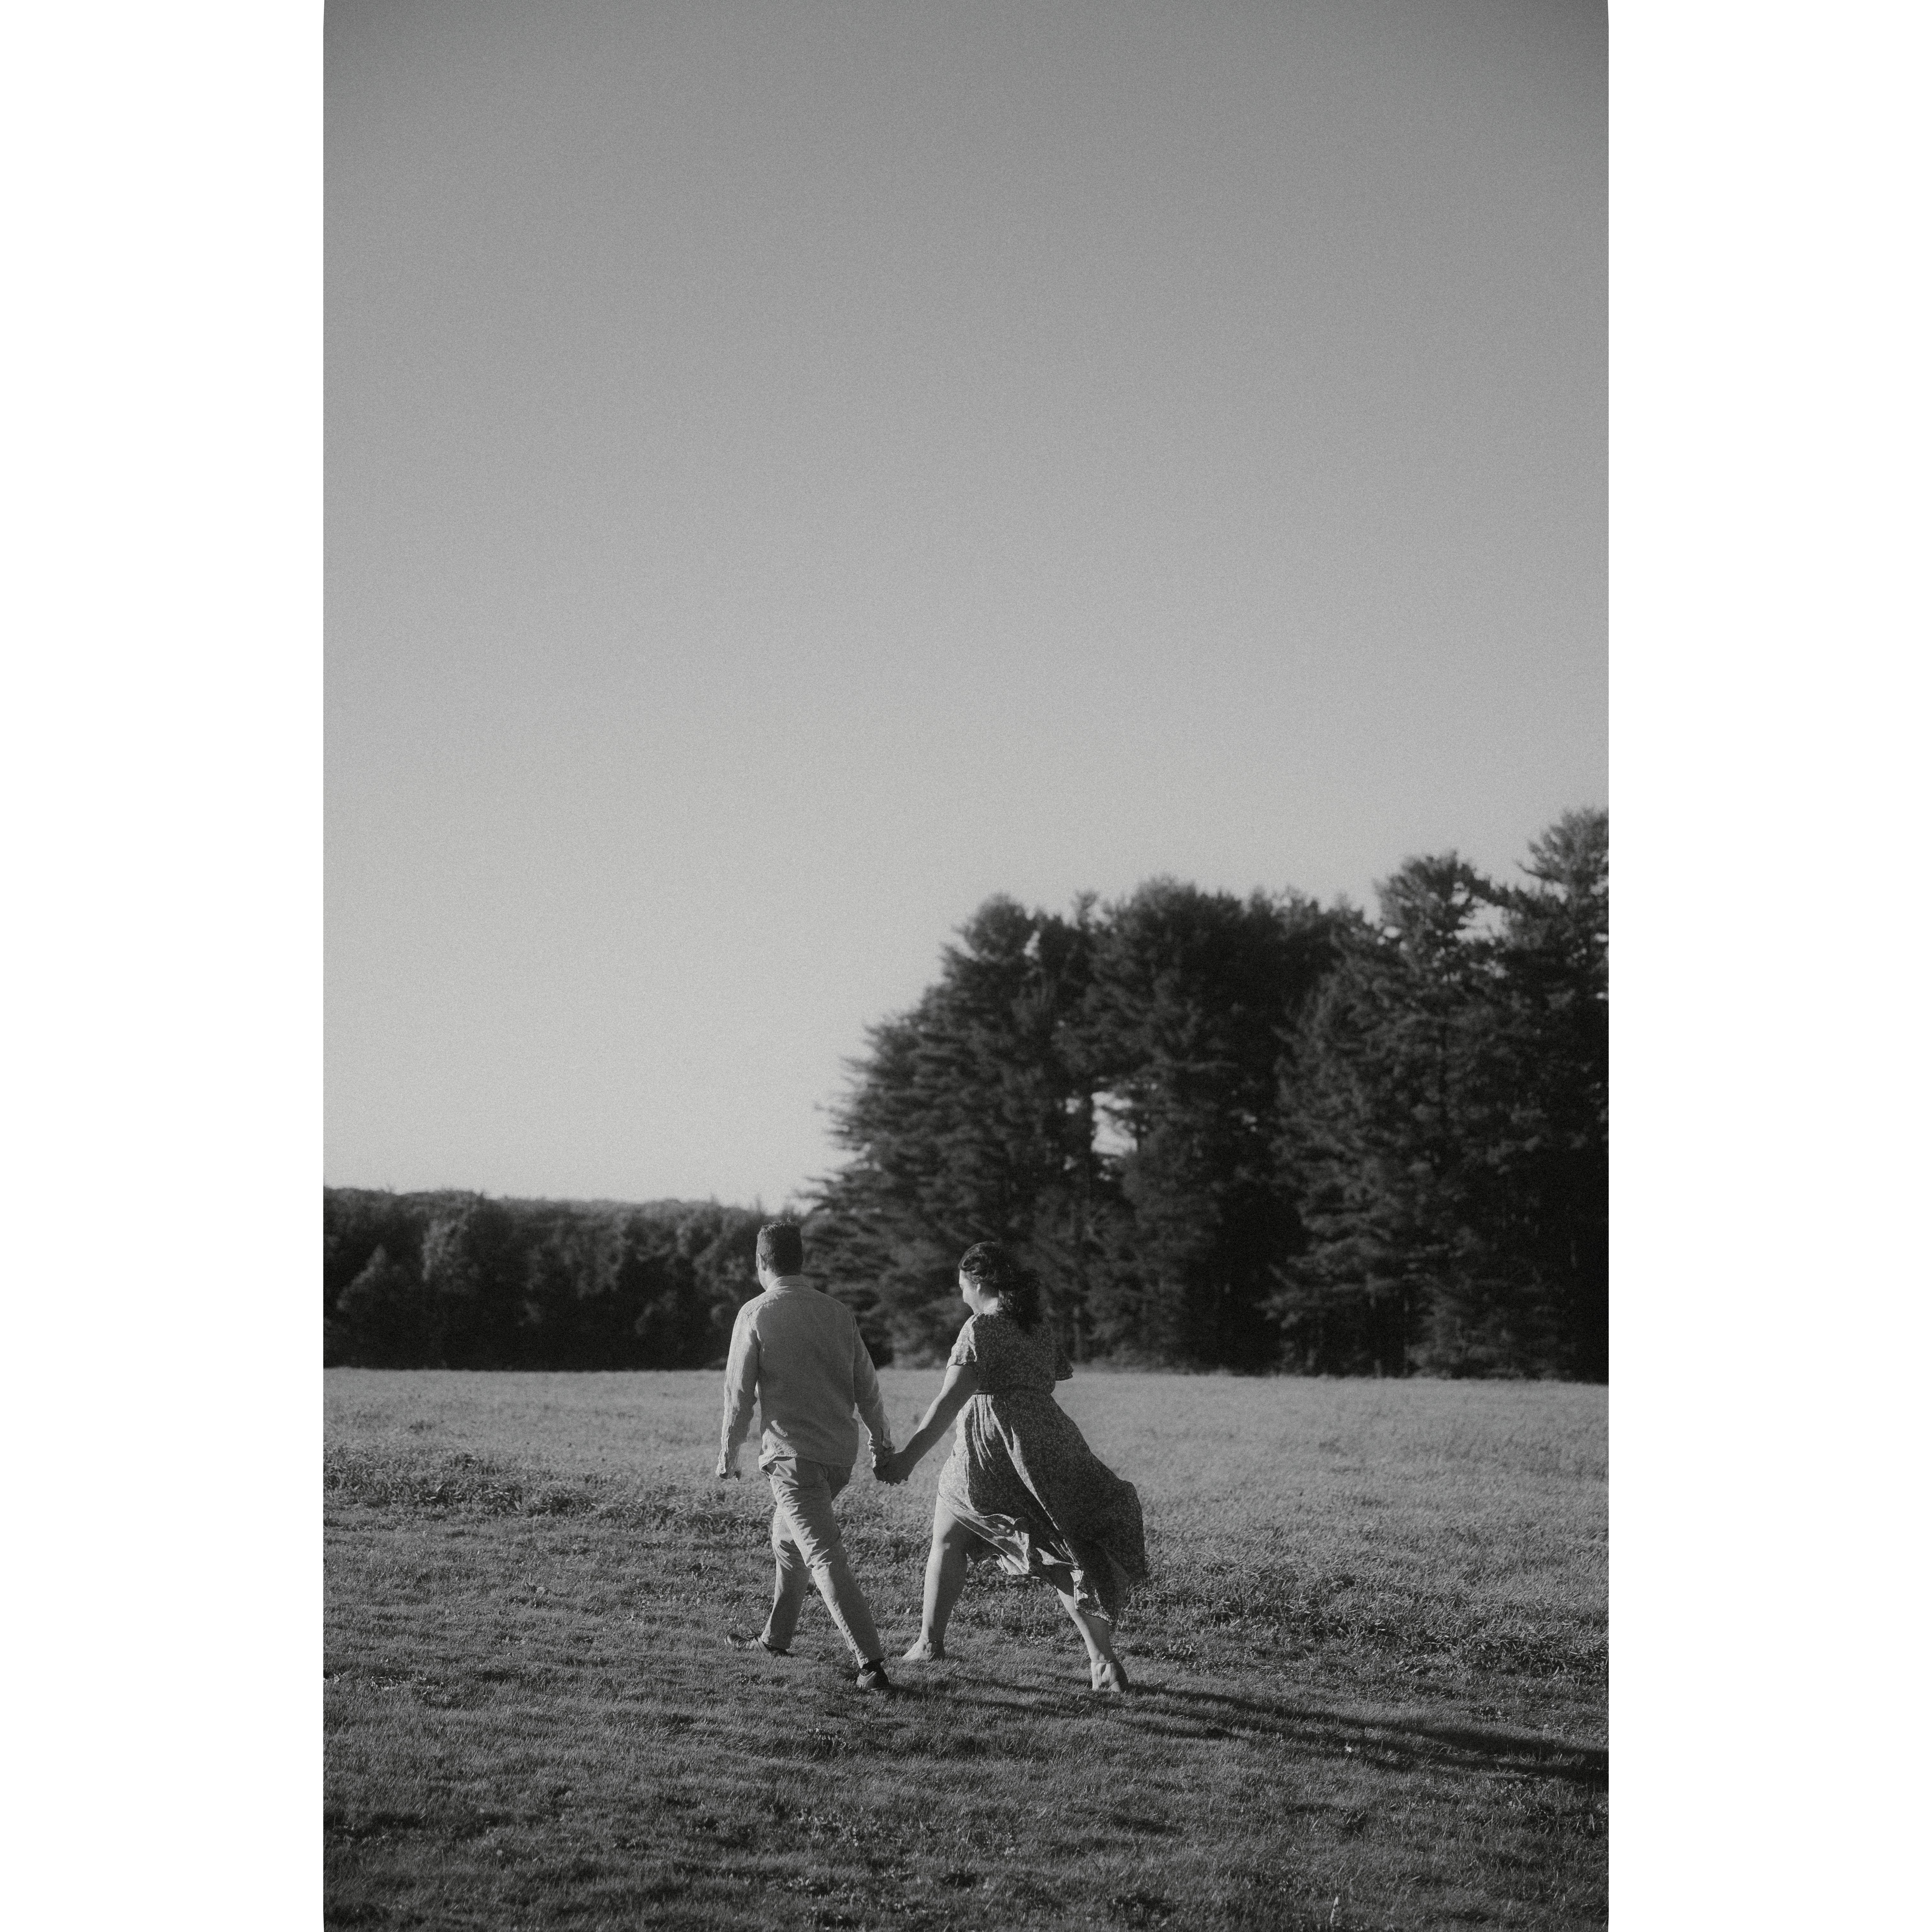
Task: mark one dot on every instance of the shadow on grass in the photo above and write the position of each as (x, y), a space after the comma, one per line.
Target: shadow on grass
(1394, 1743)
(1402, 1742)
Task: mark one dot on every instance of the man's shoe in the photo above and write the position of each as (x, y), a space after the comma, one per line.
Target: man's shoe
(873, 1676)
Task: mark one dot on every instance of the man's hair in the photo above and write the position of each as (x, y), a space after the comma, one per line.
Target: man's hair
(781, 1247)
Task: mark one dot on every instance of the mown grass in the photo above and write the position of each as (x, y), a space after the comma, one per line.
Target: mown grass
(1371, 1671)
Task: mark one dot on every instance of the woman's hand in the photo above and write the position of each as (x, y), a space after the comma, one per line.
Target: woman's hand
(962, 1381)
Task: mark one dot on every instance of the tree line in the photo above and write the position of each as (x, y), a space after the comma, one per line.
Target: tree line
(460, 1281)
(1241, 1133)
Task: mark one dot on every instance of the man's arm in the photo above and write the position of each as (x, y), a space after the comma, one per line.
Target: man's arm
(871, 1404)
(741, 1389)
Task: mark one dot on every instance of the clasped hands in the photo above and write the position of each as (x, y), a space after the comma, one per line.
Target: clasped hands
(885, 1468)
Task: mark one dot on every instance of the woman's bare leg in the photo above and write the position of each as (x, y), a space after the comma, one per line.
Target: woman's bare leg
(945, 1577)
(1104, 1668)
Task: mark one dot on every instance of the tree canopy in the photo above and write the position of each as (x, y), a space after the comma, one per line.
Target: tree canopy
(1255, 1133)
(1225, 1133)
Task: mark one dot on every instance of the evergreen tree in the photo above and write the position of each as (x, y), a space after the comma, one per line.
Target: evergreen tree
(1445, 1114)
(1191, 993)
(356, 1222)
(1554, 953)
(969, 1120)
(1393, 1091)
(1224, 1132)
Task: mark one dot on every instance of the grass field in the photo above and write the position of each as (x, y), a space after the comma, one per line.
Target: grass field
(1370, 1670)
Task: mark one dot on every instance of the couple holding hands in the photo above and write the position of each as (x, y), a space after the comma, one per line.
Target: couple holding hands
(1021, 1487)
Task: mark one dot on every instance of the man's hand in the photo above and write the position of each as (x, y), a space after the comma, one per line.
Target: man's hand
(885, 1468)
(727, 1469)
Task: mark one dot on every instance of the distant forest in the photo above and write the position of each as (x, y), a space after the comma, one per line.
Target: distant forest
(1255, 1134)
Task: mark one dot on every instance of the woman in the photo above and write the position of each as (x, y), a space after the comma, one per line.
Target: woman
(1022, 1485)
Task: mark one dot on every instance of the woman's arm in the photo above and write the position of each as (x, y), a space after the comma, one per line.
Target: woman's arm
(961, 1382)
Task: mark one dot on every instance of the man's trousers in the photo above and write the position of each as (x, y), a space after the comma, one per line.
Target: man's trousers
(805, 1539)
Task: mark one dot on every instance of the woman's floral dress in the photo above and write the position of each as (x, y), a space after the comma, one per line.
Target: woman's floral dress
(1022, 1478)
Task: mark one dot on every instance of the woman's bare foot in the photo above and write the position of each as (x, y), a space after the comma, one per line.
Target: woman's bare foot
(1110, 1674)
(928, 1650)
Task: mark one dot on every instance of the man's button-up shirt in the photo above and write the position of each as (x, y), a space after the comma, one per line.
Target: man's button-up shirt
(796, 1353)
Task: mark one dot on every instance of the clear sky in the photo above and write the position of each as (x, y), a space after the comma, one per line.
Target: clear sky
(795, 471)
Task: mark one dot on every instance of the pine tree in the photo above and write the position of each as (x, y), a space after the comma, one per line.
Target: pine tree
(968, 1120)
(1445, 1114)
(1554, 952)
(1192, 994)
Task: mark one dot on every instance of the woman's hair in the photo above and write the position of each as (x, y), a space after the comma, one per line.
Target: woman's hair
(993, 1270)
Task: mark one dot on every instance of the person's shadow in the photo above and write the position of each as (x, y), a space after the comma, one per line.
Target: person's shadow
(1398, 1742)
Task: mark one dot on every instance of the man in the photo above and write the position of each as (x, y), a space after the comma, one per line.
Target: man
(798, 1353)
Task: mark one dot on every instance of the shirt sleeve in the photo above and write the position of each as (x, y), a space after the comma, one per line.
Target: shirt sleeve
(1063, 1369)
(965, 1349)
(741, 1387)
(871, 1404)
